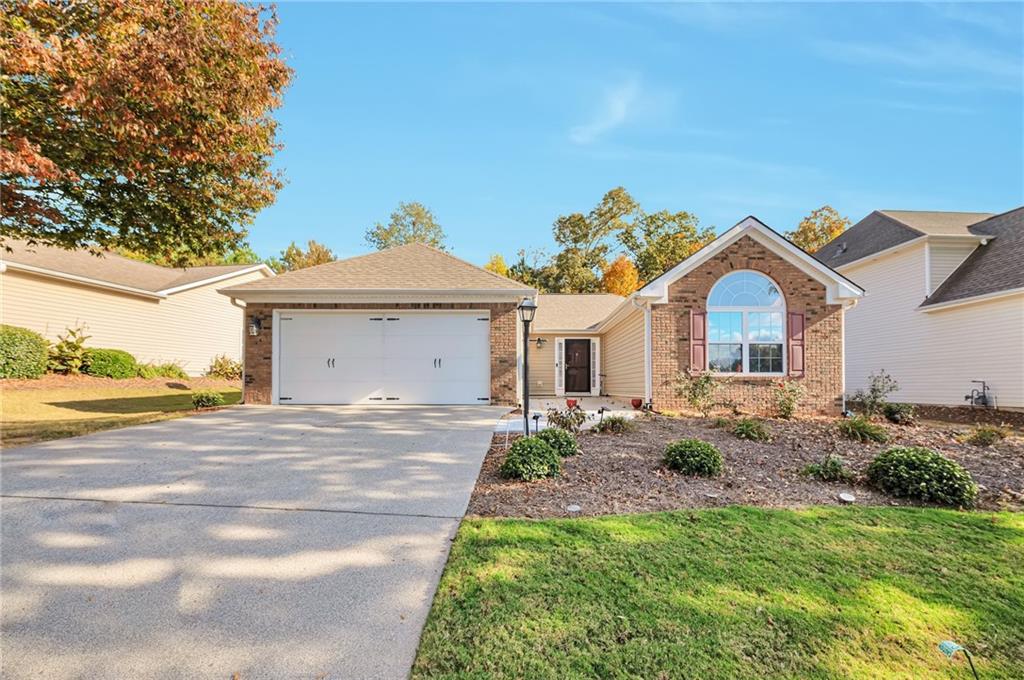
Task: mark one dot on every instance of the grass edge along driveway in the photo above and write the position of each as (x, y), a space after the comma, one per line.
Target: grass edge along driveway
(40, 414)
(731, 593)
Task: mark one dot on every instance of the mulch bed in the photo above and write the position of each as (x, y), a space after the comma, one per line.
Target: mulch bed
(53, 381)
(618, 474)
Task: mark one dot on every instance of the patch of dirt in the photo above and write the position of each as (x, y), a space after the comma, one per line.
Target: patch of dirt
(53, 381)
(619, 474)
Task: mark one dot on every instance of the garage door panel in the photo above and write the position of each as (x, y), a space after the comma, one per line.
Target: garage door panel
(421, 358)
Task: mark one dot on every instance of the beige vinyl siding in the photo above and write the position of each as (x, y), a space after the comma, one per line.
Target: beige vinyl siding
(934, 356)
(542, 366)
(190, 327)
(944, 258)
(622, 351)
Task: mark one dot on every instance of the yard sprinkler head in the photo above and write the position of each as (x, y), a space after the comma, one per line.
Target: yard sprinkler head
(950, 648)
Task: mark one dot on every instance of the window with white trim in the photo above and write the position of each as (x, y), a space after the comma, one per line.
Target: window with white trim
(746, 325)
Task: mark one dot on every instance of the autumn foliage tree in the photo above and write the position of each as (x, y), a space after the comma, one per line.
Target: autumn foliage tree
(818, 228)
(294, 257)
(137, 124)
(620, 277)
(659, 241)
(497, 265)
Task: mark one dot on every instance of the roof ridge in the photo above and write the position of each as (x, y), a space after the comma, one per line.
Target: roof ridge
(459, 259)
(992, 217)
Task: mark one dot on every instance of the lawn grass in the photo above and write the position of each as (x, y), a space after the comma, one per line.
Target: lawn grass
(731, 593)
(34, 415)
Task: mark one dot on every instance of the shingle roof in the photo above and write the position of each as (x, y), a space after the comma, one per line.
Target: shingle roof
(410, 267)
(934, 223)
(109, 267)
(884, 229)
(992, 268)
(573, 312)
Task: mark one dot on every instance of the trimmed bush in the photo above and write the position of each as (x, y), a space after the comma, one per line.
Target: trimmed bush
(751, 429)
(917, 472)
(615, 425)
(23, 353)
(110, 363)
(860, 429)
(225, 367)
(694, 457)
(830, 469)
(986, 435)
(167, 369)
(530, 459)
(562, 441)
(207, 399)
(901, 414)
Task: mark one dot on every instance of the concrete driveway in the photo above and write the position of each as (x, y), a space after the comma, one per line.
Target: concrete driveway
(271, 542)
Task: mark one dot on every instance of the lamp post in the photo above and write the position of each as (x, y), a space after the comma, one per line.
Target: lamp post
(527, 309)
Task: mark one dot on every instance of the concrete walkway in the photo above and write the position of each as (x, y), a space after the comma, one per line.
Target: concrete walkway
(266, 541)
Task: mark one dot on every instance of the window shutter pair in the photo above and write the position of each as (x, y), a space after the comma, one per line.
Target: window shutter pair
(699, 342)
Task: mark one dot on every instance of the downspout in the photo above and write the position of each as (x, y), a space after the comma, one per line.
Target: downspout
(234, 301)
(648, 369)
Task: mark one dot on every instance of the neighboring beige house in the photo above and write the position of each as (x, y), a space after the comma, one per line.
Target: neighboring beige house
(158, 314)
(413, 325)
(944, 307)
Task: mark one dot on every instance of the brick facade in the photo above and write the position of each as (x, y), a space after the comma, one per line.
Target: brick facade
(259, 355)
(823, 335)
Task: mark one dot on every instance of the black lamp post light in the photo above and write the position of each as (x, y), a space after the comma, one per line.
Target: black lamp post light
(527, 310)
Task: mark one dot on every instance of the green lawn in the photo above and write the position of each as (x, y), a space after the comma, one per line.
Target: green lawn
(731, 593)
(33, 414)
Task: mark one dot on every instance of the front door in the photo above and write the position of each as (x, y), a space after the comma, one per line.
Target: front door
(577, 366)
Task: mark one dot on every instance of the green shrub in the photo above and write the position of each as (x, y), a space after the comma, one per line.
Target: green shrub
(571, 419)
(167, 369)
(901, 414)
(721, 423)
(917, 472)
(751, 429)
(68, 355)
(830, 469)
(207, 398)
(615, 425)
(110, 363)
(698, 390)
(531, 458)
(860, 429)
(874, 399)
(986, 435)
(562, 441)
(23, 353)
(786, 395)
(694, 457)
(225, 367)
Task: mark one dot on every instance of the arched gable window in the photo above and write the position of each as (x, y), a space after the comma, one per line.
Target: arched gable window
(746, 325)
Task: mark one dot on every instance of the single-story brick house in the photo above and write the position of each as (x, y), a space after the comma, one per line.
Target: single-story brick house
(159, 314)
(415, 325)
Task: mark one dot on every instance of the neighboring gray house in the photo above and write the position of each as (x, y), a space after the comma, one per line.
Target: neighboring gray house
(944, 304)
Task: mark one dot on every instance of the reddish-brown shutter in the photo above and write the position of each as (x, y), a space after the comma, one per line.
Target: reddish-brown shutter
(698, 341)
(796, 344)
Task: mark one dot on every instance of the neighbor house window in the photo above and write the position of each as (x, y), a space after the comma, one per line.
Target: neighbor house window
(746, 324)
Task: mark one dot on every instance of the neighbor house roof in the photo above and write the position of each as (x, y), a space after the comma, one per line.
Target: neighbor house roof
(110, 270)
(885, 229)
(995, 267)
(411, 268)
(581, 312)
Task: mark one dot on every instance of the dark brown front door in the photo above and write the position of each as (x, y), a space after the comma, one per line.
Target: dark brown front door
(577, 365)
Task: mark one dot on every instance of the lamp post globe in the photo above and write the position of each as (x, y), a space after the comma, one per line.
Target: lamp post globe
(527, 310)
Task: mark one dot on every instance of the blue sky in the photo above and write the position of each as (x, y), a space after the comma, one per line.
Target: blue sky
(502, 117)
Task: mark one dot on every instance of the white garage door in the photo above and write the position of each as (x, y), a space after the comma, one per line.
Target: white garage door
(383, 357)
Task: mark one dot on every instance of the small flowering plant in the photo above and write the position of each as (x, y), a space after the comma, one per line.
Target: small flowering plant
(787, 394)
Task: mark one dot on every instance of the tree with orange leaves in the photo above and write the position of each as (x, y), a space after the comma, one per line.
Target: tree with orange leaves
(818, 228)
(137, 125)
(620, 277)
